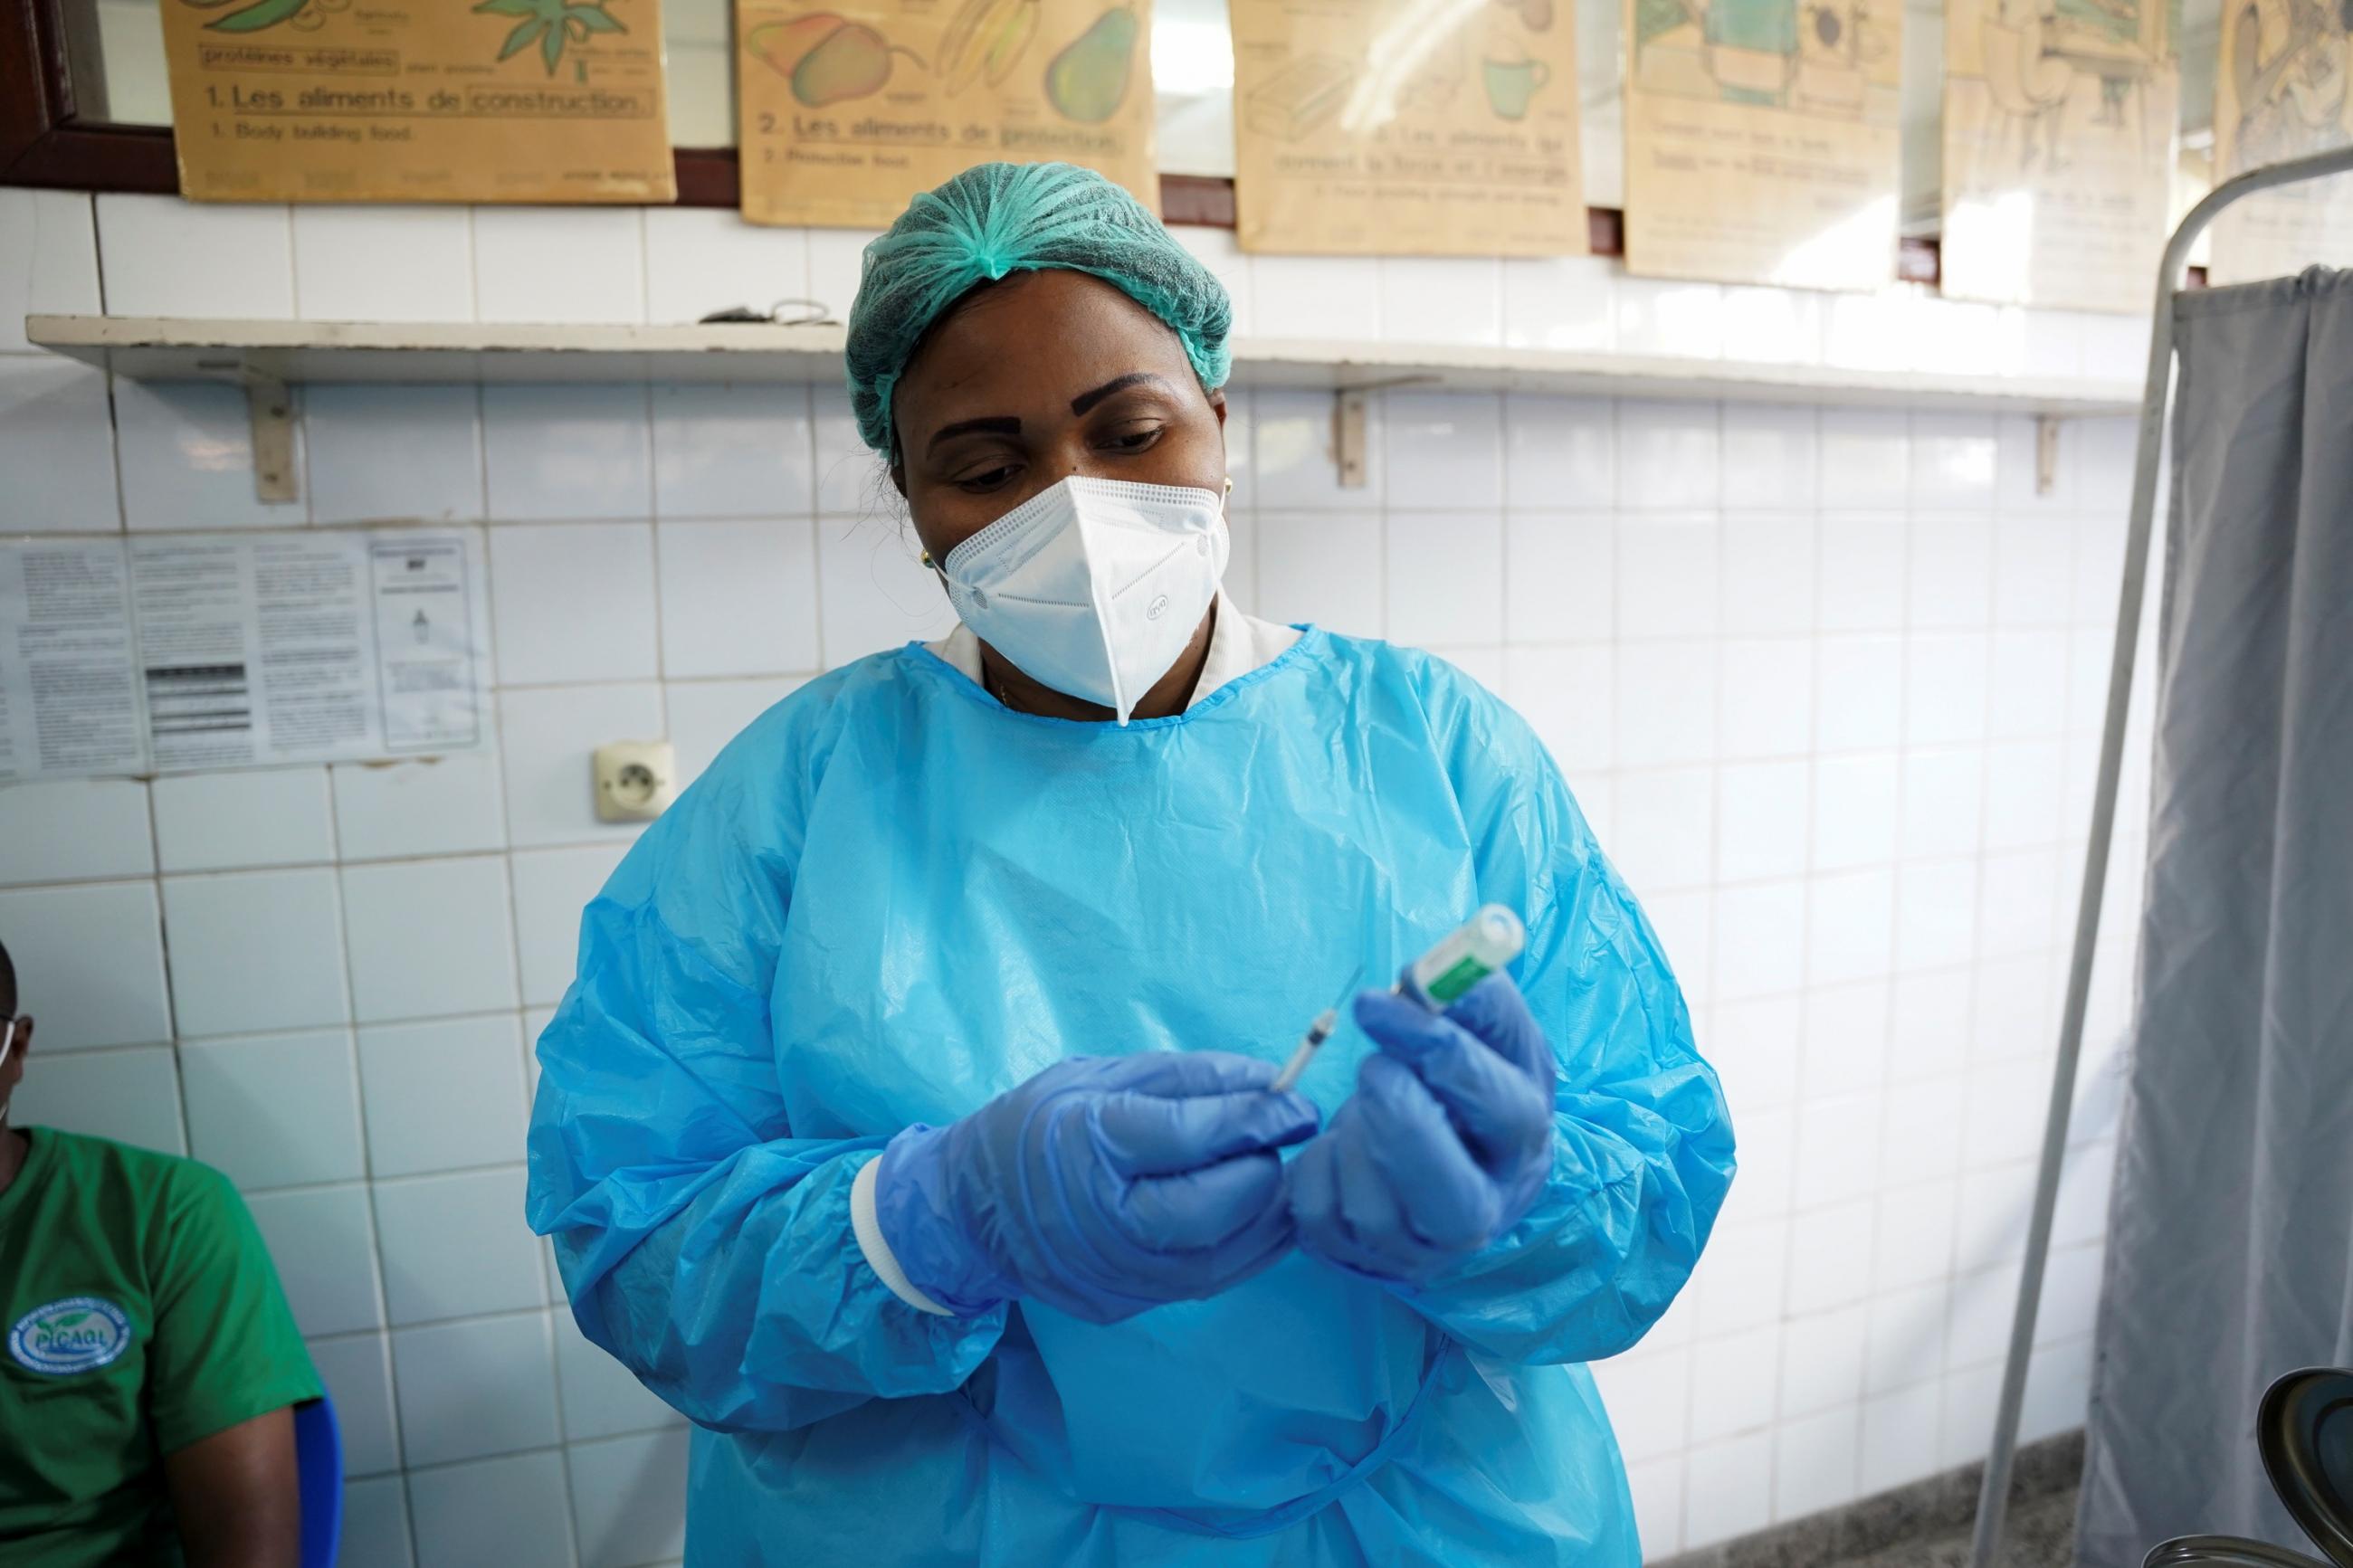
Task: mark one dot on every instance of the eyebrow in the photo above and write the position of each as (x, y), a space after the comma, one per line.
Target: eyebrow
(1086, 400)
(994, 425)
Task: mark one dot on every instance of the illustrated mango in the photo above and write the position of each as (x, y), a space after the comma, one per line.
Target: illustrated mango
(828, 58)
(1088, 80)
(987, 39)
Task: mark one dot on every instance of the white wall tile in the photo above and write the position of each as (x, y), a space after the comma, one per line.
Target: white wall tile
(1560, 454)
(628, 1497)
(507, 1512)
(131, 1096)
(549, 737)
(455, 1246)
(1217, 249)
(1558, 581)
(66, 830)
(1569, 697)
(1854, 810)
(163, 257)
(2023, 781)
(442, 806)
(1742, 1274)
(1666, 574)
(552, 888)
(1667, 455)
(225, 822)
(1760, 932)
(733, 450)
(1932, 1023)
(375, 1524)
(1899, 1438)
(1656, 1488)
(1442, 299)
(2026, 685)
(1317, 296)
(1646, 1396)
(1865, 459)
(280, 1111)
(1560, 302)
(1945, 687)
(2040, 343)
(1323, 568)
(1846, 1027)
(705, 715)
(1728, 1489)
(1862, 583)
(574, 602)
(1737, 1375)
(89, 964)
(1951, 567)
(738, 598)
(358, 1375)
(554, 451)
(57, 447)
(1663, 836)
(1767, 571)
(186, 451)
(1822, 1361)
(2033, 566)
(1956, 337)
(442, 1096)
(1861, 689)
(1848, 916)
(470, 1390)
(1686, 923)
(851, 480)
(873, 592)
(320, 1239)
(1868, 331)
(48, 259)
(390, 452)
(1768, 698)
(1772, 326)
(1815, 1462)
(1444, 583)
(254, 951)
(559, 264)
(383, 263)
(1936, 914)
(699, 260)
(1656, 316)
(602, 1398)
(1770, 457)
(1953, 461)
(1293, 461)
(1442, 451)
(835, 257)
(428, 938)
(1666, 704)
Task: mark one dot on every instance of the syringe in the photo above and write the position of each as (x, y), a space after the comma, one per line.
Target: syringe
(1466, 955)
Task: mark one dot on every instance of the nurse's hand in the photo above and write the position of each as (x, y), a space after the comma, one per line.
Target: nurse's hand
(1103, 1186)
(1444, 1145)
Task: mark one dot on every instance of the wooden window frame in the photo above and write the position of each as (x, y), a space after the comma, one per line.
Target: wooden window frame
(48, 136)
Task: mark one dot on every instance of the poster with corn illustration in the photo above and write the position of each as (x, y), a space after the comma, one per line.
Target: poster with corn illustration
(1403, 127)
(847, 113)
(461, 101)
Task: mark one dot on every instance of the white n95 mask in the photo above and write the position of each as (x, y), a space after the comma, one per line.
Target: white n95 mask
(1094, 586)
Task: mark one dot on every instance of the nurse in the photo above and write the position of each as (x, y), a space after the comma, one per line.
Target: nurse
(908, 1126)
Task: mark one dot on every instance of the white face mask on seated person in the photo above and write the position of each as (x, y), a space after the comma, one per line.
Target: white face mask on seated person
(1094, 586)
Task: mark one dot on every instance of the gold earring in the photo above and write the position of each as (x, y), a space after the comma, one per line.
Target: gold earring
(929, 561)
(1229, 484)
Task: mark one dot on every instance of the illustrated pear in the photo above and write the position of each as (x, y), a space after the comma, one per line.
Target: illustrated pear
(1088, 80)
(828, 58)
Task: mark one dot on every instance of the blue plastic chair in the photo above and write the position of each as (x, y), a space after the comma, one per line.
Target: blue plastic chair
(319, 1463)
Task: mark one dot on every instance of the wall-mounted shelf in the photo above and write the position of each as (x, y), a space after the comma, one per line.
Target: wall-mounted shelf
(171, 349)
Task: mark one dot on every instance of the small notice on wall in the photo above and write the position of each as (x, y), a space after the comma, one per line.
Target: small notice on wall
(1396, 128)
(1762, 142)
(2280, 93)
(846, 116)
(476, 100)
(188, 651)
(2059, 119)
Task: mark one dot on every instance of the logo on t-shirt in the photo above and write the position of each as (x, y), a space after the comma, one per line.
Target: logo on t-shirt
(80, 1333)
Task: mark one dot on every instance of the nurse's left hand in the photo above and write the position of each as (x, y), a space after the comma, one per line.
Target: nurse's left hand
(1444, 1145)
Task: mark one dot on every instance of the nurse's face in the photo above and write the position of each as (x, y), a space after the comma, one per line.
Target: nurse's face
(1034, 379)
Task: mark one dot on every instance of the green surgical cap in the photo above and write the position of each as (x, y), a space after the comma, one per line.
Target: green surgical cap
(998, 218)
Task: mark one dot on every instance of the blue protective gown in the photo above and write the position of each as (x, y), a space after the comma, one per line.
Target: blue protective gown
(891, 899)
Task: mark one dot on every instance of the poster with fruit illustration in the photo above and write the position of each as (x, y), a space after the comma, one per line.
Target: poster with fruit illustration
(1762, 143)
(2280, 93)
(847, 113)
(1404, 128)
(2059, 122)
(467, 101)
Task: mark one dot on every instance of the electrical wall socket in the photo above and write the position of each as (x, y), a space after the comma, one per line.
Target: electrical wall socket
(636, 780)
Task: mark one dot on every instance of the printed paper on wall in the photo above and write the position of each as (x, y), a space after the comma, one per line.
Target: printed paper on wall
(2280, 94)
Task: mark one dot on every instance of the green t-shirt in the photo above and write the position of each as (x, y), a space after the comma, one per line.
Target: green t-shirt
(141, 1313)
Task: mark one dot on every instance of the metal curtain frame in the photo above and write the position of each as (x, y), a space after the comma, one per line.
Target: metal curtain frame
(1993, 1498)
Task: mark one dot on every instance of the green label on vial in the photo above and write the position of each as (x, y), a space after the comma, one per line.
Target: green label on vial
(1466, 973)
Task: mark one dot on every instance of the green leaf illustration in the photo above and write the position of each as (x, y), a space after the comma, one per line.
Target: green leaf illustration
(69, 1320)
(509, 7)
(594, 18)
(550, 48)
(520, 39)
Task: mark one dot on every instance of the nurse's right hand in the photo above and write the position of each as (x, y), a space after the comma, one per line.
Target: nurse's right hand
(1103, 1187)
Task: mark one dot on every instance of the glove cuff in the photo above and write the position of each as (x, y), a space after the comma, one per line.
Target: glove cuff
(916, 1228)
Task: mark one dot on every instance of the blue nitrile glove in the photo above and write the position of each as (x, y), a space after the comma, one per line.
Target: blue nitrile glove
(1103, 1186)
(1444, 1145)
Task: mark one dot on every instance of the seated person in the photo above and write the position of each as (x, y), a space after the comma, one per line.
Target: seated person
(150, 1366)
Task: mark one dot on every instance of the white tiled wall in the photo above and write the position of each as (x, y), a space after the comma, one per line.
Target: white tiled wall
(1826, 682)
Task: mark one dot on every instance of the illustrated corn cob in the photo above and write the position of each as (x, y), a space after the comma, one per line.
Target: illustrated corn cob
(985, 41)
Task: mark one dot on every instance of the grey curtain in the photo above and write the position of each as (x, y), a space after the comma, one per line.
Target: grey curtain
(2230, 1237)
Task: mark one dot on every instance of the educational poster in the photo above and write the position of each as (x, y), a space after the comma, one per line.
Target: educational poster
(1392, 127)
(2280, 94)
(2059, 119)
(500, 101)
(1762, 142)
(186, 652)
(846, 115)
